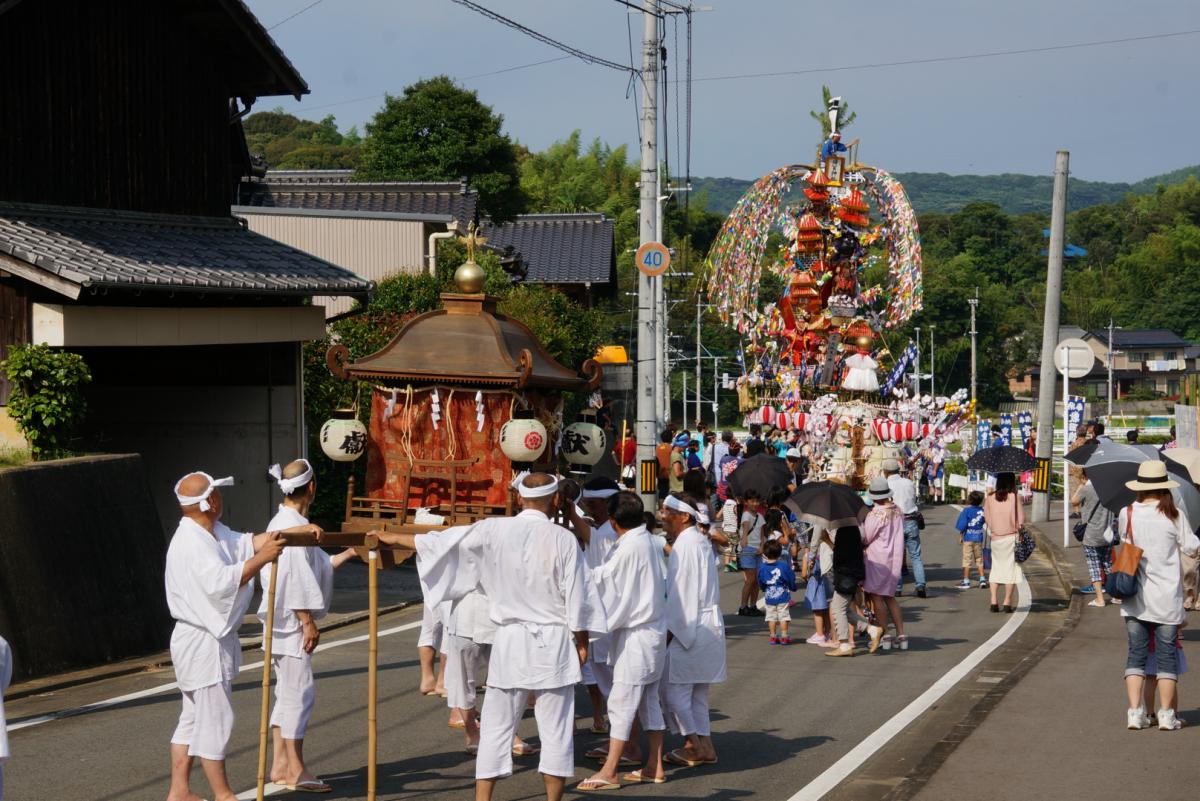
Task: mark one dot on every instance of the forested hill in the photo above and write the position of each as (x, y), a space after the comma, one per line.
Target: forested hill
(936, 191)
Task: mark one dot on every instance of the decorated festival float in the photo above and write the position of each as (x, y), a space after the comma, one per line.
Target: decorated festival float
(850, 268)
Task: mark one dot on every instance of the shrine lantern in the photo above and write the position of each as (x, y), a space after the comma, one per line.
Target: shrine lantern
(343, 436)
(808, 234)
(854, 210)
(523, 438)
(583, 443)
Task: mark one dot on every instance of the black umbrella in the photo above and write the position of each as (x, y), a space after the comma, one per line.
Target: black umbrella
(827, 504)
(763, 473)
(1079, 456)
(1001, 459)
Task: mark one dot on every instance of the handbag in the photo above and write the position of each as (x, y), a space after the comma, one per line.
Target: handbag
(844, 584)
(987, 557)
(1080, 529)
(1122, 576)
(1025, 545)
(920, 518)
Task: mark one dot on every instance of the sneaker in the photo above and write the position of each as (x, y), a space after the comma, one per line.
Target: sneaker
(983, 585)
(741, 611)
(964, 585)
(774, 641)
(1137, 719)
(841, 650)
(785, 640)
(902, 642)
(1167, 721)
(816, 639)
(921, 592)
(886, 642)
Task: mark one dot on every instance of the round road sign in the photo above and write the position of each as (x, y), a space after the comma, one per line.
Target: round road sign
(1075, 356)
(652, 258)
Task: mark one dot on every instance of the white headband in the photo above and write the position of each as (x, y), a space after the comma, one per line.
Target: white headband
(537, 492)
(290, 485)
(600, 493)
(672, 502)
(202, 499)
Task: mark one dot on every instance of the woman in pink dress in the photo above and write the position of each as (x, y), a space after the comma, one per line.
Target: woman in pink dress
(883, 540)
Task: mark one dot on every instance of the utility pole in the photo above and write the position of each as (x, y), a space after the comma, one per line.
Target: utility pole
(684, 403)
(662, 383)
(1046, 369)
(716, 408)
(647, 378)
(932, 385)
(699, 306)
(1108, 359)
(974, 305)
(917, 367)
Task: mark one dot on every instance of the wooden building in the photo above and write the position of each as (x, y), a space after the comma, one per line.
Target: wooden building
(122, 150)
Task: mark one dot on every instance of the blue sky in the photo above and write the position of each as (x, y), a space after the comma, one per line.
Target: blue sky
(1125, 111)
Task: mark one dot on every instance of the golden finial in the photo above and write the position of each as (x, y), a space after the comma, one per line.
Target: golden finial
(470, 277)
(472, 240)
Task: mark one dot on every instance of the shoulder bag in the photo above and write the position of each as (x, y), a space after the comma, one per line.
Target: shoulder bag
(1080, 529)
(1025, 542)
(1122, 576)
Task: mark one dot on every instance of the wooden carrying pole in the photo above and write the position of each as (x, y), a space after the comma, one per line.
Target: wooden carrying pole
(372, 667)
(264, 721)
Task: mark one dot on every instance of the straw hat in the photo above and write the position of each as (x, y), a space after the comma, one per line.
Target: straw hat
(1151, 476)
(891, 466)
(879, 489)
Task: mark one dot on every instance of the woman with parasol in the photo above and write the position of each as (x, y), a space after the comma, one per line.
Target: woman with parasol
(1005, 515)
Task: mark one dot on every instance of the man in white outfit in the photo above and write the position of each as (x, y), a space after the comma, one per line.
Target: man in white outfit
(208, 574)
(303, 592)
(696, 649)
(544, 608)
(632, 588)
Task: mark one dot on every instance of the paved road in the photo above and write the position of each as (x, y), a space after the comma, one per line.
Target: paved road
(784, 716)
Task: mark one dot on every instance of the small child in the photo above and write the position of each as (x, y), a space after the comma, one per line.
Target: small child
(970, 527)
(819, 591)
(729, 527)
(778, 581)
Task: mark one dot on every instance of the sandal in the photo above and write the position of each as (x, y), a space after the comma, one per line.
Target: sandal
(636, 776)
(1097, 603)
(524, 749)
(593, 784)
(886, 642)
(678, 757)
(902, 642)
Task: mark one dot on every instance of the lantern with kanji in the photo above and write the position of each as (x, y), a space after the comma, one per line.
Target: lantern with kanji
(343, 437)
(583, 443)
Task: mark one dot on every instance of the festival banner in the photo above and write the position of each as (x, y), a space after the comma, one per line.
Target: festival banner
(1006, 428)
(1025, 422)
(1075, 410)
(983, 434)
(900, 370)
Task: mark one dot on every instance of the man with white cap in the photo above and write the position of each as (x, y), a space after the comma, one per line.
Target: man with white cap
(303, 592)
(208, 574)
(904, 495)
(544, 608)
(696, 631)
(632, 588)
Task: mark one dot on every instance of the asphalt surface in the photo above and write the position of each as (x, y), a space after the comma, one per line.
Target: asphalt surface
(782, 718)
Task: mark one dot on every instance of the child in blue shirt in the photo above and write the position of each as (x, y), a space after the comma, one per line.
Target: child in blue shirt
(970, 527)
(778, 581)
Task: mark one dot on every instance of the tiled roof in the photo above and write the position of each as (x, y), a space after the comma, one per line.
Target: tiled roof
(1142, 338)
(560, 248)
(164, 252)
(336, 191)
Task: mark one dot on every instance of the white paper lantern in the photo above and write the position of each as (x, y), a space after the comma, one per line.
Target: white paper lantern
(343, 436)
(523, 438)
(583, 444)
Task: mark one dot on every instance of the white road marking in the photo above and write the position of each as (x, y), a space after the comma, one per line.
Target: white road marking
(122, 699)
(852, 761)
(956, 507)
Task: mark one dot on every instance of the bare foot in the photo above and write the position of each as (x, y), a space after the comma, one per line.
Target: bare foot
(428, 686)
(597, 781)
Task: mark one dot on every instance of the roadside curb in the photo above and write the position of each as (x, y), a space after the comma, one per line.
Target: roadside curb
(919, 776)
(130, 667)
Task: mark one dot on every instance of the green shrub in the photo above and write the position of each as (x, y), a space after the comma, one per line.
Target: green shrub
(47, 400)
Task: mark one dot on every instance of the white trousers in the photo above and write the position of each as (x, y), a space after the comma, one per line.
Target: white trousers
(295, 694)
(554, 711)
(464, 659)
(206, 721)
(687, 705)
(627, 700)
(599, 674)
(431, 628)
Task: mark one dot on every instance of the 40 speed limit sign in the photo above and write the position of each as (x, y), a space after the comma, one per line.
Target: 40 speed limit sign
(653, 258)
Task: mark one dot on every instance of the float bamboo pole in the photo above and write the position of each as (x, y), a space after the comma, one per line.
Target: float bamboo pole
(372, 668)
(268, 630)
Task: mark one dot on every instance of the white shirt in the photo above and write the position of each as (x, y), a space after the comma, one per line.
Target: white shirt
(471, 618)
(904, 494)
(600, 544)
(536, 581)
(5, 678)
(633, 589)
(696, 655)
(1159, 598)
(729, 518)
(207, 601)
(305, 583)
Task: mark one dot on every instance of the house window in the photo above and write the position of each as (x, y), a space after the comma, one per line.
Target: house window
(1172, 387)
(1139, 356)
(1170, 355)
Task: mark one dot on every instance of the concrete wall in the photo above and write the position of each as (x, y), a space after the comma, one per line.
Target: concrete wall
(81, 564)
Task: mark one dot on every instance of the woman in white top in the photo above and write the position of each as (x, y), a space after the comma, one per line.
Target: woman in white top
(1162, 531)
(750, 551)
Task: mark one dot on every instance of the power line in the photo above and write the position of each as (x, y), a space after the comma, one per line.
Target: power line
(298, 13)
(943, 59)
(576, 52)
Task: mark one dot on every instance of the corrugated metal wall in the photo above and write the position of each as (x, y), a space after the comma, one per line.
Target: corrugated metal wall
(373, 249)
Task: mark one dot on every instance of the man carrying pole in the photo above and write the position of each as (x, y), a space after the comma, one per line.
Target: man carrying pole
(208, 573)
(533, 573)
(303, 591)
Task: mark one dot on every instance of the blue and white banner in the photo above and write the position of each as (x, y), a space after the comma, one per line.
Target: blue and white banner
(983, 434)
(898, 372)
(1025, 422)
(1075, 407)
(1006, 428)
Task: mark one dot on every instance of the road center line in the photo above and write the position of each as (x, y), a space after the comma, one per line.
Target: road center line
(852, 761)
(29, 723)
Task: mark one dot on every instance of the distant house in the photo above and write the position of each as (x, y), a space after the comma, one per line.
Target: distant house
(1152, 360)
(382, 228)
(122, 148)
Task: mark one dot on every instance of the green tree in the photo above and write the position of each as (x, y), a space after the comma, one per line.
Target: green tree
(821, 115)
(438, 131)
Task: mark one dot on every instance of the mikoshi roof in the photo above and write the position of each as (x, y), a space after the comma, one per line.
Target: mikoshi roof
(466, 342)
